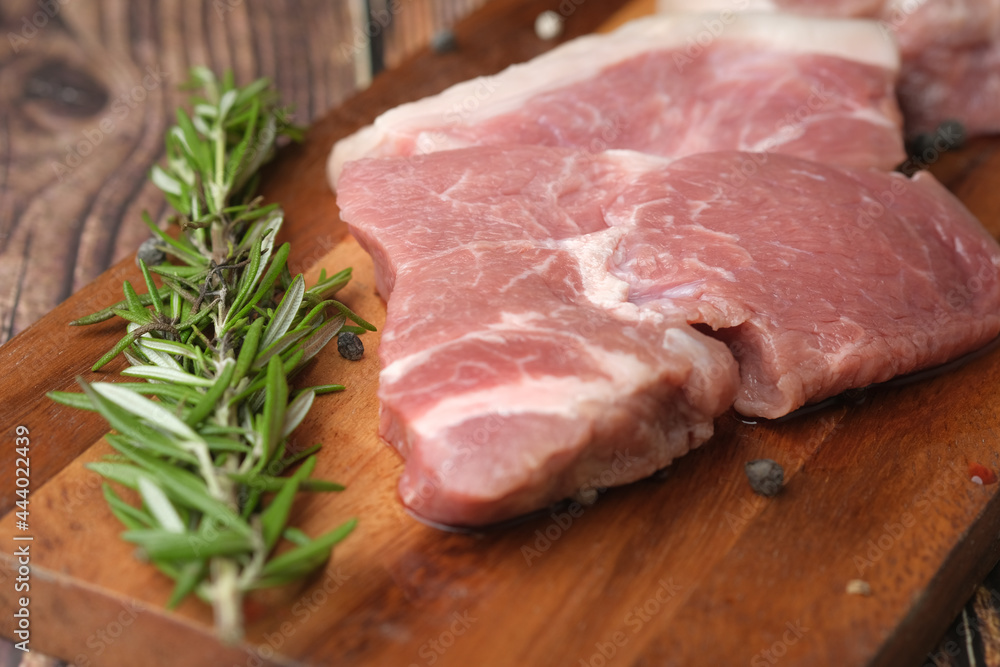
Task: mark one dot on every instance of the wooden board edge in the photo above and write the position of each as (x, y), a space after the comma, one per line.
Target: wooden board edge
(970, 560)
(123, 628)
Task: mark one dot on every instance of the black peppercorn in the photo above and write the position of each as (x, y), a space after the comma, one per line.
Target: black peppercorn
(766, 476)
(350, 346)
(443, 41)
(150, 253)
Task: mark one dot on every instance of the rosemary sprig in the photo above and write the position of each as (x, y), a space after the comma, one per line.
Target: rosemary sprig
(203, 439)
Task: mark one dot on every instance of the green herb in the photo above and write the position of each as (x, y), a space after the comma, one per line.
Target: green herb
(217, 342)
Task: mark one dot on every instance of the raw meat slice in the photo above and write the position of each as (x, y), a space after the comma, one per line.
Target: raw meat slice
(541, 297)
(821, 279)
(817, 89)
(950, 51)
(535, 394)
(514, 371)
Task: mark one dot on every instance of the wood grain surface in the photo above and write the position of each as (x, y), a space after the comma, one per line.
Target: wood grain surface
(90, 91)
(693, 569)
(88, 87)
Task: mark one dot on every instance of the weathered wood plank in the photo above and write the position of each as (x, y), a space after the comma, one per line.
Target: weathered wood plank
(88, 93)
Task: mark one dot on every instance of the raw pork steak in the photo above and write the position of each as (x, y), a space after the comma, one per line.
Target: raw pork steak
(950, 51)
(514, 371)
(817, 89)
(540, 298)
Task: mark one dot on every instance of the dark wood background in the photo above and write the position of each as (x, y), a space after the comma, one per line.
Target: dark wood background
(87, 88)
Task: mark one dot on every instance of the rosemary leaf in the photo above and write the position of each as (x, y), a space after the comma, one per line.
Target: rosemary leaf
(296, 536)
(323, 336)
(285, 314)
(125, 474)
(191, 575)
(151, 289)
(214, 394)
(327, 389)
(249, 350)
(277, 264)
(297, 411)
(132, 517)
(275, 404)
(167, 375)
(147, 410)
(108, 313)
(159, 506)
(273, 519)
(160, 544)
(130, 426)
(304, 559)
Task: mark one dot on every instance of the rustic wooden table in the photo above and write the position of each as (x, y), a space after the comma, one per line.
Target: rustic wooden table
(88, 88)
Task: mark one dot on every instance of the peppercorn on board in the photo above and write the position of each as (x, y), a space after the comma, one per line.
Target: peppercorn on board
(691, 569)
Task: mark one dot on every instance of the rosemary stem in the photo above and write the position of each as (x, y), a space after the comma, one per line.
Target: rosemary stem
(208, 473)
(219, 245)
(227, 599)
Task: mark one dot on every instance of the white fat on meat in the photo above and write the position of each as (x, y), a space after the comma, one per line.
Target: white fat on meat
(817, 89)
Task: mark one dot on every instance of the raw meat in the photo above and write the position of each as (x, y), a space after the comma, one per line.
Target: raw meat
(538, 326)
(950, 51)
(818, 89)
(514, 371)
(821, 279)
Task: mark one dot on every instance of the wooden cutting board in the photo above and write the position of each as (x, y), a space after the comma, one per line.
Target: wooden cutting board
(693, 569)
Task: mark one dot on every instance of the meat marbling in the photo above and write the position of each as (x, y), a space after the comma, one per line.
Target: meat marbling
(821, 279)
(817, 89)
(514, 370)
(950, 51)
(540, 300)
